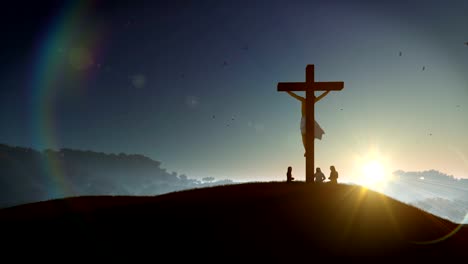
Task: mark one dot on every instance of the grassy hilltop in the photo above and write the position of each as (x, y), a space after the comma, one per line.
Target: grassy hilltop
(266, 220)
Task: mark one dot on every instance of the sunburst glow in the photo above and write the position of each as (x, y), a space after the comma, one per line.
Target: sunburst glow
(373, 170)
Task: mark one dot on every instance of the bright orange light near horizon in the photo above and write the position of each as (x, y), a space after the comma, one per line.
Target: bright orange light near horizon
(372, 170)
(373, 173)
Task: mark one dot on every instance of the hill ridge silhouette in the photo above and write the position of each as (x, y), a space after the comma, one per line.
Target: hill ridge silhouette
(249, 220)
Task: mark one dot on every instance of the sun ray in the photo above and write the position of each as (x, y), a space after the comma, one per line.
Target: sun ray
(355, 209)
(391, 215)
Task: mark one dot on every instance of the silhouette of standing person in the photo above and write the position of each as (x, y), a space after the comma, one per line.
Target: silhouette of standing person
(333, 175)
(319, 176)
(289, 177)
(318, 131)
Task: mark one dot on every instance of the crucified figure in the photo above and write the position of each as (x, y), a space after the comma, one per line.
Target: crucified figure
(318, 131)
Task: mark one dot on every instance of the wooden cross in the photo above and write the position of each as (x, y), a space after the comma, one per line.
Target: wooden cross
(310, 86)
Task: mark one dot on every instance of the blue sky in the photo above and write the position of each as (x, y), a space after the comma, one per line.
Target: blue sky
(151, 78)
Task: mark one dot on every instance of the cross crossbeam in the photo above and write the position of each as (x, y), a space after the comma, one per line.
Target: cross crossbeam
(302, 86)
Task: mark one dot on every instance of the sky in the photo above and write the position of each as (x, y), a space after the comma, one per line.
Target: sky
(193, 84)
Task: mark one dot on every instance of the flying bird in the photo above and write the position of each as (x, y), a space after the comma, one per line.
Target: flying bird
(423, 68)
(400, 54)
(245, 48)
(225, 63)
(466, 43)
(213, 117)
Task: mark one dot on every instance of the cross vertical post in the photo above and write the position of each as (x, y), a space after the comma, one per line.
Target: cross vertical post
(310, 120)
(310, 86)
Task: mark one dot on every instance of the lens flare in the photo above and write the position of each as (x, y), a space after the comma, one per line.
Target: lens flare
(65, 48)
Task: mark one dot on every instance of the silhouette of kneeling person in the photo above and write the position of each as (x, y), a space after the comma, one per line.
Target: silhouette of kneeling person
(319, 176)
(333, 175)
(289, 177)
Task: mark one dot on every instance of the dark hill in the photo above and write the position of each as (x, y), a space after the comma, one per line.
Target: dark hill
(269, 221)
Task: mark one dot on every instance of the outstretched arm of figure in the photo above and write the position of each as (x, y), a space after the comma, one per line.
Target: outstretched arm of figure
(321, 96)
(300, 98)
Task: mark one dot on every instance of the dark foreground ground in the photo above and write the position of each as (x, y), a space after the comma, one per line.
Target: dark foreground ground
(254, 221)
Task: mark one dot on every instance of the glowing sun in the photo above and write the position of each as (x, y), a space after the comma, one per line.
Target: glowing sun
(373, 173)
(373, 170)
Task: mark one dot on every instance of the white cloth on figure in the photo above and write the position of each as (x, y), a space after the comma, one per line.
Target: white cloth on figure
(318, 131)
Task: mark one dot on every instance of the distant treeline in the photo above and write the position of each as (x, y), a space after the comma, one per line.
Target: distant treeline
(433, 191)
(410, 186)
(28, 175)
